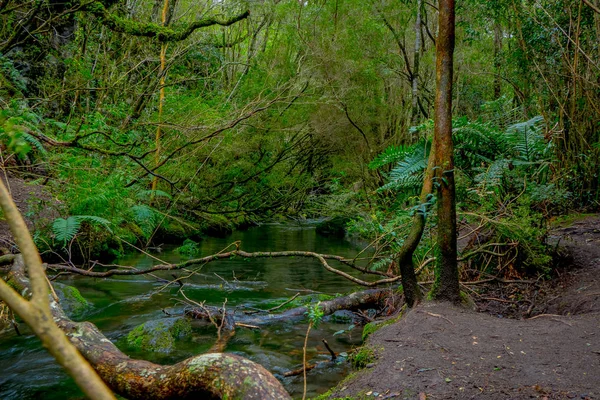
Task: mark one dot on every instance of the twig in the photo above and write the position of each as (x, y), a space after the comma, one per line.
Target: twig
(436, 315)
(257, 310)
(283, 304)
(299, 371)
(333, 356)
(246, 325)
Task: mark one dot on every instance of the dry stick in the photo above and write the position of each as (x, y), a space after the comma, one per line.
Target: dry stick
(300, 370)
(220, 256)
(593, 7)
(36, 312)
(436, 315)
(333, 356)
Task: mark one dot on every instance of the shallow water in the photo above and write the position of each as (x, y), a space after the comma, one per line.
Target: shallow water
(120, 304)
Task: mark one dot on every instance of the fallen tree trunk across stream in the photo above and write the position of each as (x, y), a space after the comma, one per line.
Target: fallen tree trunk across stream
(370, 298)
(207, 376)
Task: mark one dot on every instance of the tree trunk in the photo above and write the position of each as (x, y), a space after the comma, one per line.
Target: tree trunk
(446, 278)
(416, 61)
(362, 300)
(497, 59)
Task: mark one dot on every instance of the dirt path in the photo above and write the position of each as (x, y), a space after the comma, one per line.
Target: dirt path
(439, 351)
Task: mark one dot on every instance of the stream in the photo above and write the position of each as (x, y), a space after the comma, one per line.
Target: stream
(122, 303)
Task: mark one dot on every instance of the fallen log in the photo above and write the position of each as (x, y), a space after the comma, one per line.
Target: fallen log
(207, 376)
(370, 298)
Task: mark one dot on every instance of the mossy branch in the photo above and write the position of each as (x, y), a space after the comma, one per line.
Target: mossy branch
(151, 30)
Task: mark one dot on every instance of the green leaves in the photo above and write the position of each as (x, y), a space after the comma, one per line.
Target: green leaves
(315, 314)
(527, 139)
(408, 172)
(66, 229)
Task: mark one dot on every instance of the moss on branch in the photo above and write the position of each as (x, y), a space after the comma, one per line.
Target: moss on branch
(151, 30)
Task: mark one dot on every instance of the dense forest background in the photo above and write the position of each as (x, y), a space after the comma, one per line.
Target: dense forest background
(153, 121)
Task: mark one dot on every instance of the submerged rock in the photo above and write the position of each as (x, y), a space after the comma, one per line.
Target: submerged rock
(159, 335)
(71, 301)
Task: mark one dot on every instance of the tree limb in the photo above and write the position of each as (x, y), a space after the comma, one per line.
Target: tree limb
(161, 33)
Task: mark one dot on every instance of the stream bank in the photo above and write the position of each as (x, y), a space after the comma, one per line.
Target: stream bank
(441, 351)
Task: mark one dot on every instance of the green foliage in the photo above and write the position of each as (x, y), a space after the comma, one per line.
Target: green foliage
(527, 140)
(66, 229)
(408, 171)
(146, 217)
(189, 248)
(315, 314)
(362, 357)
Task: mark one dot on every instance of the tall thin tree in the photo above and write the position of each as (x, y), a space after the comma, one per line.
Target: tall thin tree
(446, 285)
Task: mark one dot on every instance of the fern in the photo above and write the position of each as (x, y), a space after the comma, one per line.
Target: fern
(145, 217)
(408, 172)
(527, 139)
(147, 194)
(34, 142)
(476, 143)
(390, 155)
(66, 229)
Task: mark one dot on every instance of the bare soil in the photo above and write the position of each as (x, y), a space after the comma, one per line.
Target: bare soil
(36, 204)
(441, 351)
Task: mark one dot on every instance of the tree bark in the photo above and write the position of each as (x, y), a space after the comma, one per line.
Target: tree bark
(410, 286)
(356, 301)
(497, 59)
(416, 62)
(446, 285)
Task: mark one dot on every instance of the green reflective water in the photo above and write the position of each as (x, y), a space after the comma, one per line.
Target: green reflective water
(120, 304)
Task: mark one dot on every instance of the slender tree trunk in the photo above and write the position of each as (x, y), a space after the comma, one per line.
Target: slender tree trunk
(410, 285)
(416, 61)
(161, 97)
(446, 280)
(497, 59)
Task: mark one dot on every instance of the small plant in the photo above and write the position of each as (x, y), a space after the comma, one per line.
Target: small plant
(362, 357)
(315, 314)
(189, 248)
(66, 229)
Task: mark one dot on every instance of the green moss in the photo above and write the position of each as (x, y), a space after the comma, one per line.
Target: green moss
(368, 329)
(181, 328)
(466, 300)
(325, 297)
(159, 336)
(327, 395)
(372, 327)
(71, 300)
(362, 357)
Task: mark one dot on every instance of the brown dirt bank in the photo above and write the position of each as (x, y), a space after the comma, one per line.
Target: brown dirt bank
(440, 351)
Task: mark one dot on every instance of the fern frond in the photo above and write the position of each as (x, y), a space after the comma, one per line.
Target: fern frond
(34, 142)
(145, 217)
(408, 172)
(66, 229)
(147, 194)
(390, 155)
(527, 139)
